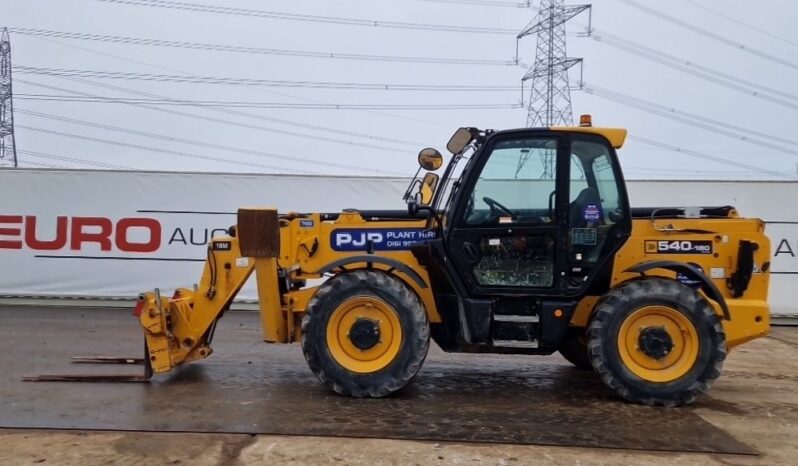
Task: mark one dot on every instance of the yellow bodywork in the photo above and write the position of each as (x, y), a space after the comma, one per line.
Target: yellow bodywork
(177, 329)
(304, 252)
(750, 315)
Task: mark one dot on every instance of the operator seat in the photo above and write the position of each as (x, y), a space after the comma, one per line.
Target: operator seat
(576, 210)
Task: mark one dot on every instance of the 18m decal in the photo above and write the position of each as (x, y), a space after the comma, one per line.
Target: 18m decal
(678, 247)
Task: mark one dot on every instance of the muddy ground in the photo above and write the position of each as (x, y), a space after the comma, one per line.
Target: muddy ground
(252, 402)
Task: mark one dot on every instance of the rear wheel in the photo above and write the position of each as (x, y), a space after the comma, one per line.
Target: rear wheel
(574, 348)
(656, 341)
(365, 334)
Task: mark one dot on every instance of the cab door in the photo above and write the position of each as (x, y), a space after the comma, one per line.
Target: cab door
(508, 226)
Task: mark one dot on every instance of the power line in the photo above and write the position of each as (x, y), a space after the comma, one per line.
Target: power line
(701, 155)
(525, 4)
(76, 160)
(44, 165)
(711, 35)
(195, 7)
(742, 23)
(194, 79)
(708, 74)
(249, 104)
(730, 81)
(220, 120)
(611, 39)
(159, 150)
(690, 122)
(682, 172)
(236, 112)
(256, 50)
(209, 145)
(603, 92)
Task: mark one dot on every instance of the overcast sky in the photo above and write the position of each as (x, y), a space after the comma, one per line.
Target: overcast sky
(387, 140)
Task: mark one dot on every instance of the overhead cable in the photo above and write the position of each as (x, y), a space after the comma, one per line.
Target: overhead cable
(525, 4)
(212, 119)
(62, 158)
(196, 7)
(255, 50)
(742, 130)
(738, 135)
(161, 150)
(250, 104)
(259, 82)
(730, 81)
(714, 36)
(205, 144)
(741, 23)
(704, 156)
(238, 112)
(26, 162)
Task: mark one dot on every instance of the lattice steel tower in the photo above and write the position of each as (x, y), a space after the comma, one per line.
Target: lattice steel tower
(8, 150)
(550, 98)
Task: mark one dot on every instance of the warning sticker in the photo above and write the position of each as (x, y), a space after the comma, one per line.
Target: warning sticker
(592, 213)
(689, 280)
(583, 236)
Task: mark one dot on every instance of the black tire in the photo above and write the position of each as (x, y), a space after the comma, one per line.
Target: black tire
(619, 304)
(574, 348)
(413, 322)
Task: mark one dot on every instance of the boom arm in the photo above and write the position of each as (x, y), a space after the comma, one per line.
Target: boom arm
(180, 329)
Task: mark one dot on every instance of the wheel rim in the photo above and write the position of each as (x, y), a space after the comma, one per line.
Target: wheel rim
(658, 344)
(364, 334)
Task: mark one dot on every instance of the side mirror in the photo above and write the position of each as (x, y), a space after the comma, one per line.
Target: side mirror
(460, 140)
(430, 159)
(428, 185)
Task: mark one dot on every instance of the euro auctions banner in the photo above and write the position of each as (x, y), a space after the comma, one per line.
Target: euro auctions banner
(114, 234)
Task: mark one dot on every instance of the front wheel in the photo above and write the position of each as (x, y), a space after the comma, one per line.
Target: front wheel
(365, 334)
(656, 341)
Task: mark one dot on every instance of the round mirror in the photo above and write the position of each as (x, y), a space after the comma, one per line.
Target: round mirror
(430, 159)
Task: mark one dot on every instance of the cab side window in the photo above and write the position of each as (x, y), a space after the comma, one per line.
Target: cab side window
(516, 184)
(594, 201)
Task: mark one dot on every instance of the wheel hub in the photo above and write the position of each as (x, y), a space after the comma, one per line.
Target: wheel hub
(364, 334)
(655, 342)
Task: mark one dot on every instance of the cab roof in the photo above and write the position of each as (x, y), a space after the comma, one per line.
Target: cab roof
(616, 136)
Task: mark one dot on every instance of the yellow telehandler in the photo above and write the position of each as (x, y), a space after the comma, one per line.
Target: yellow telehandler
(525, 245)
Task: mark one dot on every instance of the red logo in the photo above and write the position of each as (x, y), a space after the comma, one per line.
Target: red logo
(74, 232)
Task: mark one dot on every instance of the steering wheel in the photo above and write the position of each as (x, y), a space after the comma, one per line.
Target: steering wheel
(495, 205)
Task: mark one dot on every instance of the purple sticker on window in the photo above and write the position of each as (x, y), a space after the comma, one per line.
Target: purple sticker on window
(592, 212)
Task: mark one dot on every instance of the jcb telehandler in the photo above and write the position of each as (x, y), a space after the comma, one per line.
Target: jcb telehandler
(526, 244)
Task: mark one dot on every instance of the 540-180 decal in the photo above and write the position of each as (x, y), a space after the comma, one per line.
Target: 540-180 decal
(678, 247)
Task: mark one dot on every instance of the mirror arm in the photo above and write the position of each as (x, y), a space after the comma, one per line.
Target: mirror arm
(413, 183)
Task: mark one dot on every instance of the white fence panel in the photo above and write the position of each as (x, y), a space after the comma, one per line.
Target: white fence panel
(114, 234)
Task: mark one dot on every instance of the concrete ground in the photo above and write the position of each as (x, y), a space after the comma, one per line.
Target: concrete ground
(754, 404)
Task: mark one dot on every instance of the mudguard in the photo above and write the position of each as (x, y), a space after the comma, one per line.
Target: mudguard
(707, 286)
(372, 259)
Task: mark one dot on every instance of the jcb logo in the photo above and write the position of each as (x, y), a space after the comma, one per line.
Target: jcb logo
(678, 247)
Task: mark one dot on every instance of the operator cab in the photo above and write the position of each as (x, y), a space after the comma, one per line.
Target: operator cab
(536, 213)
